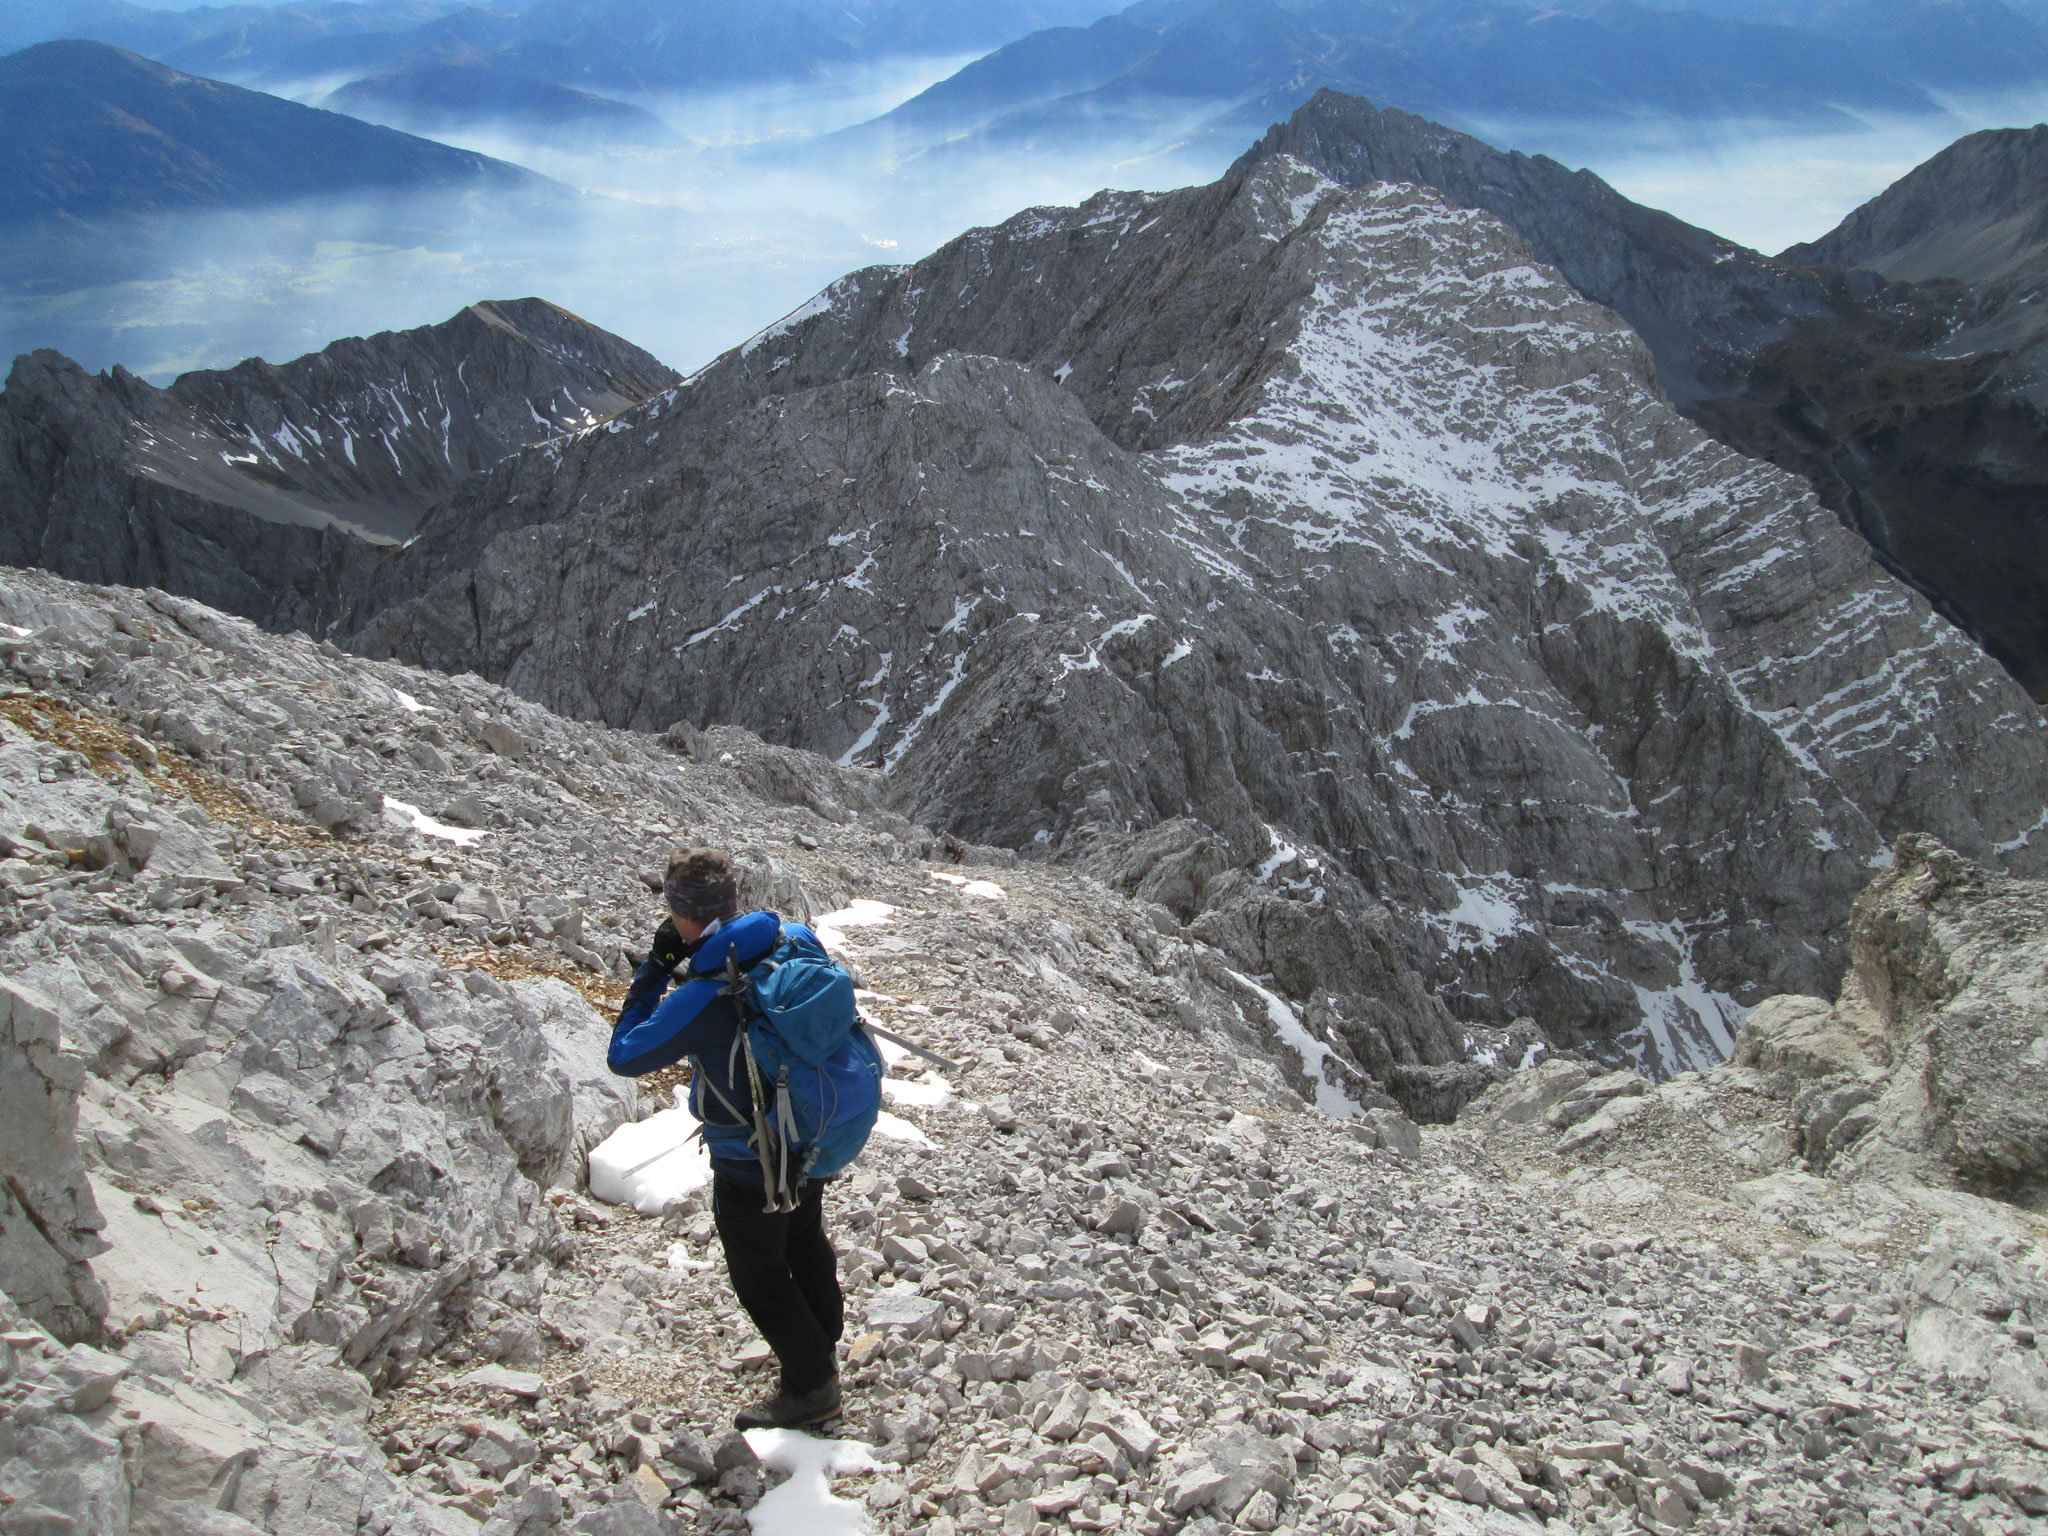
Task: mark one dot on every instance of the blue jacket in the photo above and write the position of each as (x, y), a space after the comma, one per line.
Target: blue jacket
(693, 1020)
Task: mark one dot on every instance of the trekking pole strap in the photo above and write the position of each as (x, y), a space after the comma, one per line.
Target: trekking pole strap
(910, 1045)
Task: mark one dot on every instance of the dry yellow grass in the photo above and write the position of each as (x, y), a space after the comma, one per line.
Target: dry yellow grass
(114, 752)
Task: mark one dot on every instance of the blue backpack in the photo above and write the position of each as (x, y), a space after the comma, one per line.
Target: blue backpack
(816, 1077)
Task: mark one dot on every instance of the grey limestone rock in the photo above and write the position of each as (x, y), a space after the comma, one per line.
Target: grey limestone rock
(1960, 1301)
(49, 1220)
(318, 1141)
(1117, 535)
(267, 490)
(1934, 1059)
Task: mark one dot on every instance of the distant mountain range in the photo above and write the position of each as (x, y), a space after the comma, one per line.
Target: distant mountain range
(255, 40)
(96, 132)
(471, 93)
(394, 52)
(1210, 72)
(1231, 67)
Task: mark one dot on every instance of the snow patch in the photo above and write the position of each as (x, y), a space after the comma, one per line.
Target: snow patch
(805, 1504)
(928, 1091)
(419, 821)
(2024, 838)
(1318, 1061)
(897, 1129)
(731, 620)
(988, 890)
(789, 322)
(650, 1162)
(680, 1262)
(909, 737)
(858, 913)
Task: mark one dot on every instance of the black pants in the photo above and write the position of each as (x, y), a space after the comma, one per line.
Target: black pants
(786, 1276)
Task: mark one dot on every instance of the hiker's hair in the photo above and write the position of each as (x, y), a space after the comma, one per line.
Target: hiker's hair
(701, 884)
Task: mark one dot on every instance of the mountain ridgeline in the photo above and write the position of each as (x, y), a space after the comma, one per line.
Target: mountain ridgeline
(1306, 560)
(1299, 553)
(1188, 78)
(97, 132)
(269, 489)
(1918, 410)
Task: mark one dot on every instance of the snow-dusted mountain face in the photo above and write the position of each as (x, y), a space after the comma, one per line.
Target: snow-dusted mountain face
(267, 490)
(1914, 408)
(1309, 561)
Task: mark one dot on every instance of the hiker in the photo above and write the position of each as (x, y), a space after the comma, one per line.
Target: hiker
(785, 1102)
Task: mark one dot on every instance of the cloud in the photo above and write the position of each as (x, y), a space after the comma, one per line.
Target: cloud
(688, 248)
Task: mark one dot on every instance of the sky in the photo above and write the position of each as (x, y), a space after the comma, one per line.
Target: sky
(689, 250)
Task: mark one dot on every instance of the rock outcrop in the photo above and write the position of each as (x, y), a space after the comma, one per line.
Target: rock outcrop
(1934, 1062)
(1908, 1111)
(1308, 558)
(267, 490)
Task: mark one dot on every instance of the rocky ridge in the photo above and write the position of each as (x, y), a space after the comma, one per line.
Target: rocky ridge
(298, 1065)
(1972, 213)
(267, 489)
(1913, 408)
(1262, 540)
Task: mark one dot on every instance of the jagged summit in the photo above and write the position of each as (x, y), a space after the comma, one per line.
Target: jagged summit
(1914, 413)
(1310, 561)
(268, 487)
(1978, 212)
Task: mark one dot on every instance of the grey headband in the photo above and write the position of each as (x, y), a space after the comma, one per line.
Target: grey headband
(702, 900)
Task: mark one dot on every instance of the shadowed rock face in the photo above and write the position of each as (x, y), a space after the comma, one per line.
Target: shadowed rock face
(1915, 409)
(266, 489)
(1307, 560)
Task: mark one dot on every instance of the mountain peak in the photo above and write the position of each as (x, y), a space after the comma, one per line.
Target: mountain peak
(1977, 212)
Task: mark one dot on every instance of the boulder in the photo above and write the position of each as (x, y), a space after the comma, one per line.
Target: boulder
(50, 1223)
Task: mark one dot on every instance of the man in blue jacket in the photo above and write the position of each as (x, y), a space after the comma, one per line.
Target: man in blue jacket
(783, 1268)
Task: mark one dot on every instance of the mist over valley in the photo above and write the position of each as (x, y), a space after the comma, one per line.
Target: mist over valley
(701, 208)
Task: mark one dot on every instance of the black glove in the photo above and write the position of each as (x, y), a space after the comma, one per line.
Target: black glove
(668, 948)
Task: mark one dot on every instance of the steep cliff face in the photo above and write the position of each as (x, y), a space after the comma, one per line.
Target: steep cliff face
(266, 489)
(1310, 561)
(1914, 409)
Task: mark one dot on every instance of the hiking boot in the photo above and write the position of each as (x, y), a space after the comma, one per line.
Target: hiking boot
(791, 1410)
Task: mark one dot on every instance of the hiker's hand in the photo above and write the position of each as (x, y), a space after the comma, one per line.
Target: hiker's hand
(668, 945)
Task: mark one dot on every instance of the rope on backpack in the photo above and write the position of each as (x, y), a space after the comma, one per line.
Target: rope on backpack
(775, 1181)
